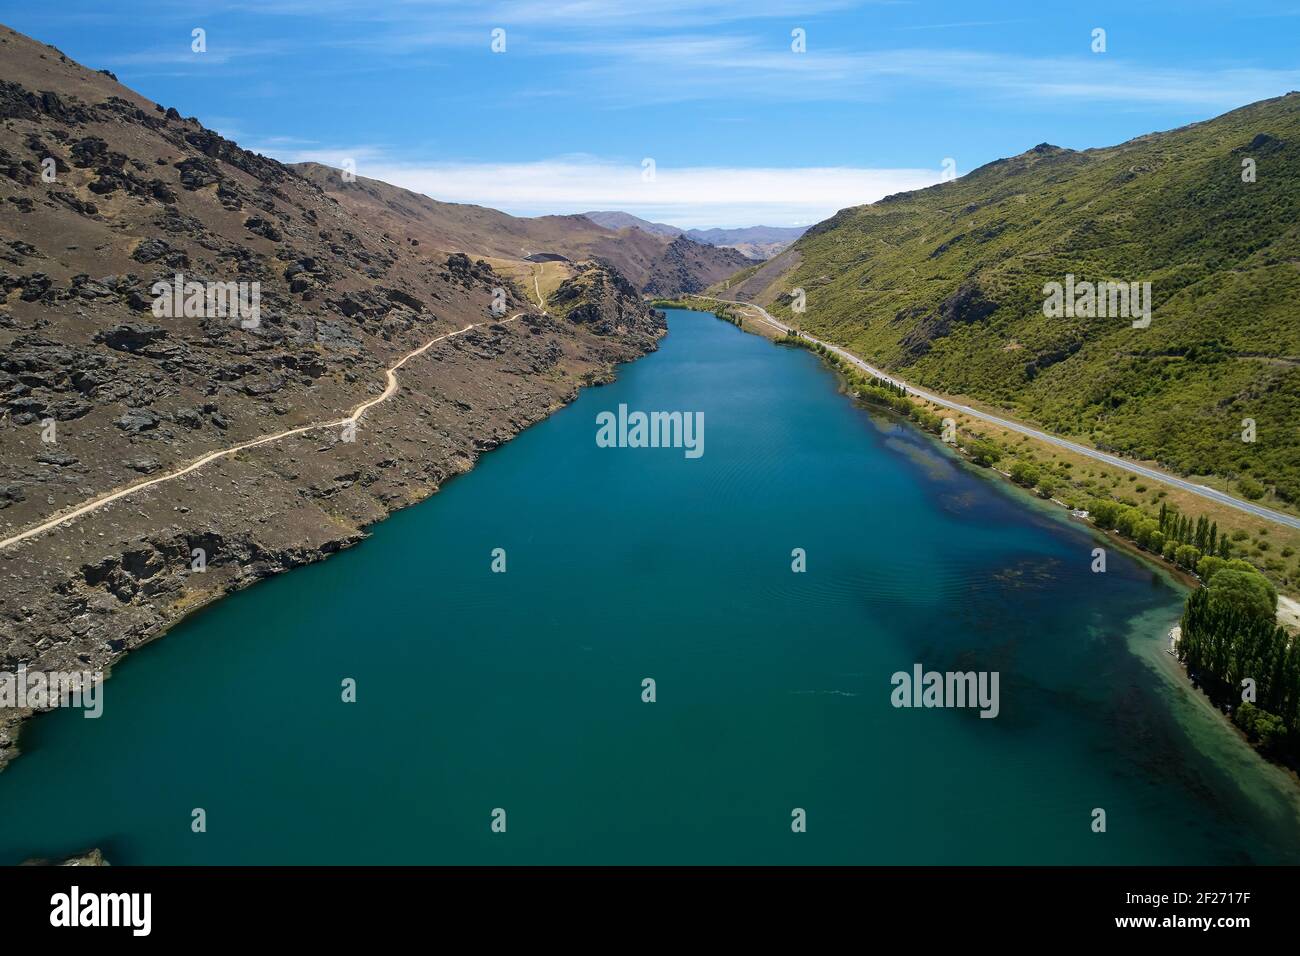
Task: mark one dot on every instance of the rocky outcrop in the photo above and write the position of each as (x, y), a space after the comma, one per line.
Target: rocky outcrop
(687, 267)
(966, 306)
(93, 857)
(599, 298)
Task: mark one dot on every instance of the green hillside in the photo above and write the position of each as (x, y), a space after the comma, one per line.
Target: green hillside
(946, 286)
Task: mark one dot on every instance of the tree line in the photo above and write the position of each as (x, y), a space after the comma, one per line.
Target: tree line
(1194, 545)
(1233, 647)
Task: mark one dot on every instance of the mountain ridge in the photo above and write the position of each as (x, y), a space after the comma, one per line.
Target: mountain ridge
(754, 242)
(947, 285)
(644, 258)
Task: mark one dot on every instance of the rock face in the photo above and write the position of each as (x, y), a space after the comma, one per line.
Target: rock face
(601, 299)
(101, 389)
(687, 266)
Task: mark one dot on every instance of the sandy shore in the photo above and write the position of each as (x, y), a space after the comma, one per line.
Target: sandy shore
(1288, 612)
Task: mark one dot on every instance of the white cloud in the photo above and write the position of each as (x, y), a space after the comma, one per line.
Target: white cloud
(582, 14)
(661, 14)
(683, 67)
(662, 51)
(695, 196)
(219, 52)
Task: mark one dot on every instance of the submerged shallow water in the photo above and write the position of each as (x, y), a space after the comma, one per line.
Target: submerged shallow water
(523, 690)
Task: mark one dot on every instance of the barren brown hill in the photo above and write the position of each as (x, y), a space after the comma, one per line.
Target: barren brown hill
(662, 265)
(104, 194)
(688, 266)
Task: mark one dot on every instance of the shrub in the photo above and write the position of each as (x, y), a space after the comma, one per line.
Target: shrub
(1207, 566)
(983, 452)
(1024, 473)
(1260, 726)
(1103, 513)
(1248, 593)
(1250, 488)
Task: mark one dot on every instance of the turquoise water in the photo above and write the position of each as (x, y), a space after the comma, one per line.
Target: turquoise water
(522, 690)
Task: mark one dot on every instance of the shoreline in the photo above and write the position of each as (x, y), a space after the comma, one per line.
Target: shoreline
(1174, 487)
(1292, 605)
(1176, 671)
(1178, 576)
(345, 535)
(811, 375)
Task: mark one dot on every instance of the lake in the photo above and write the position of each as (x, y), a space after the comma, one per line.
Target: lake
(523, 691)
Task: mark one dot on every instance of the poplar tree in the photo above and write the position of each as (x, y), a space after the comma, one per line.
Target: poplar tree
(1224, 644)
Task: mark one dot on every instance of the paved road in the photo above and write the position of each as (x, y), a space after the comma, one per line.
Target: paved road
(1209, 494)
(103, 500)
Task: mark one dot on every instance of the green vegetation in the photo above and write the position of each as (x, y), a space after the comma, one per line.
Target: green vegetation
(985, 453)
(744, 274)
(1194, 546)
(946, 285)
(724, 311)
(1023, 473)
(1234, 649)
(868, 388)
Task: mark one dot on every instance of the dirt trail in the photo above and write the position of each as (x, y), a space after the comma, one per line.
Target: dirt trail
(102, 501)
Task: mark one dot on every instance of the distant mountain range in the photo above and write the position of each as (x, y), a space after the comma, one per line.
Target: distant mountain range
(658, 264)
(755, 242)
(949, 285)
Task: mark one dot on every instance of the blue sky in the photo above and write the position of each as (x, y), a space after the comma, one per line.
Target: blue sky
(741, 128)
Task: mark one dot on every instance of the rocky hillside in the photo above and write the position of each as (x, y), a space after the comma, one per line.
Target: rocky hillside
(105, 194)
(600, 299)
(646, 258)
(687, 266)
(947, 285)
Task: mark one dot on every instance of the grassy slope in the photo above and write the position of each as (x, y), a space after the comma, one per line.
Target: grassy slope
(1223, 258)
